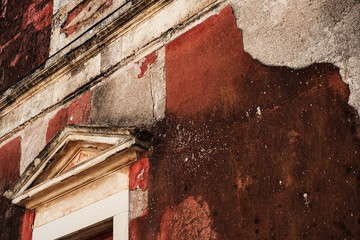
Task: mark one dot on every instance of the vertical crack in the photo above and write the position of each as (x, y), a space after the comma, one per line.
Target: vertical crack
(152, 97)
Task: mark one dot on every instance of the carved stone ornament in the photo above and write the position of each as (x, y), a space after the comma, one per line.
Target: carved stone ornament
(75, 157)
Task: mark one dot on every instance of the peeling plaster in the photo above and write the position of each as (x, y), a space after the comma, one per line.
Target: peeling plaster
(299, 33)
(3, 6)
(191, 219)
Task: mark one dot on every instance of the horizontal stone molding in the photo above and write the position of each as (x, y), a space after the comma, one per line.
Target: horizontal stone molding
(142, 30)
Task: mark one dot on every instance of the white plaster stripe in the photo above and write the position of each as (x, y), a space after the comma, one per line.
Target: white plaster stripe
(115, 205)
(121, 226)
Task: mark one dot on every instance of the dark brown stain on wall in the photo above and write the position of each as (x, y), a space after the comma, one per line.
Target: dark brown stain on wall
(249, 151)
(24, 38)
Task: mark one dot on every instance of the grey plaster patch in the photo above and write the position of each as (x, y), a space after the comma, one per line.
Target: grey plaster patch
(33, 140)
(138, 203)
(158, 85)
(123, 99)
(111, 54)
(298, 33)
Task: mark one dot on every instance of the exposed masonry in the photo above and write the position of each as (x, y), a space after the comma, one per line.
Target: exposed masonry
(299, 33)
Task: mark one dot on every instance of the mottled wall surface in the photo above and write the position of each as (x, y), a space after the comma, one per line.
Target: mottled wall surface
(299, 33)
(10, 216)
(249, 151)
(24, 38)
(245, 150)
(78, 112)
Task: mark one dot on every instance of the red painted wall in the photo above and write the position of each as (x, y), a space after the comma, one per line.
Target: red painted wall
(24, 38)
(27, 221)
(246, 151)
(138, 176)
(249, 151)
(10, 216)
(78, 112)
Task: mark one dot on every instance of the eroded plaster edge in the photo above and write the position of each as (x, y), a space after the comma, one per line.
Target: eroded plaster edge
(297, 34)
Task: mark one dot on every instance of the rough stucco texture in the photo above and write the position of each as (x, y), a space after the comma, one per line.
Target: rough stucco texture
(133, 95)
(10, 216)
(26, 230)
(138, 176)
(24, 38)
(73, 23)
(252, 151)
(78, 112)
(299, 33)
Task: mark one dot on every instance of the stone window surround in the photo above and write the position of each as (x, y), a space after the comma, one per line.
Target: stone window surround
(44, 181)
(115, 207)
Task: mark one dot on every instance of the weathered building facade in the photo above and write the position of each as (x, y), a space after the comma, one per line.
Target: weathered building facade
(208, 119)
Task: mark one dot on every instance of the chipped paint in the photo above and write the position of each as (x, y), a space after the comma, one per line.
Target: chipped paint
(277, 144)
(188, 220)
(244, 182)
(258, 111)
(10, 155)
(138, 177)
(146, 63)
(38, 15)
(135, 226)
(139, 102)
(299, 33)
(3, 8)
(25, 43)
(78, 112)
(138, 203)
(305, 130)
(83, 13)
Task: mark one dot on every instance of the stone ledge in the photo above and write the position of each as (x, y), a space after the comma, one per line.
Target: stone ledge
(71, 56)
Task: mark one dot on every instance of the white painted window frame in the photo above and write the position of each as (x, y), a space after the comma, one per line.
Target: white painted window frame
(115, 207)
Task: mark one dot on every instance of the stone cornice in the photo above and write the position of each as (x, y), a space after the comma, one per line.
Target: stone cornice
(77, 52)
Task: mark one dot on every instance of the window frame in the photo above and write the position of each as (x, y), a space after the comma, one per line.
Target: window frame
(44, 183)
(115, 207)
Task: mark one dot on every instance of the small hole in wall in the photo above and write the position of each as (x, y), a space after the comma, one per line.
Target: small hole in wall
(186, 188)
(215, 213)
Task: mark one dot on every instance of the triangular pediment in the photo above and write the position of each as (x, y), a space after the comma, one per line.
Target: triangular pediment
(73, 152)
(75, 156)
(81, 155)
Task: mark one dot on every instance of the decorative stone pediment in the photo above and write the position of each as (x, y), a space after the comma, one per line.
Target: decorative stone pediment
(75, 157)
